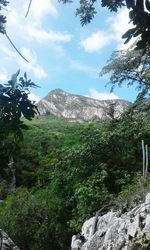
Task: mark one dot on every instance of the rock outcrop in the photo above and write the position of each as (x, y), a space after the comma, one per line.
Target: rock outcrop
(116, 231)
(80, 108)
(6, 242)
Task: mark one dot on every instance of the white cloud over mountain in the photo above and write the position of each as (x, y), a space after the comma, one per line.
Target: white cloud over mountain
(102, 95)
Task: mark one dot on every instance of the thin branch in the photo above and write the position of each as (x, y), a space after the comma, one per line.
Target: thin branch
(15, 47)
(146, 155)
(29, 6)
(143, 152)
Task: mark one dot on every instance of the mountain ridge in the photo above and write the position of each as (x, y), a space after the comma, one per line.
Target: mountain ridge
(80, 108)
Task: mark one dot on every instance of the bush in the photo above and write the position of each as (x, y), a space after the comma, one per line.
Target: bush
(29, 220)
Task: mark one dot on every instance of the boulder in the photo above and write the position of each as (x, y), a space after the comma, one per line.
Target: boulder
(6, 242)
(115, 230)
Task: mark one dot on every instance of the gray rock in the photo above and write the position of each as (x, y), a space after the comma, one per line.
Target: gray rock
(6, 242)
(117, 231)
(80, 108)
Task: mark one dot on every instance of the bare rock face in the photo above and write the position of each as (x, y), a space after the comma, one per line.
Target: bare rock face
(115, 231)
(6, 243)
(80, 108)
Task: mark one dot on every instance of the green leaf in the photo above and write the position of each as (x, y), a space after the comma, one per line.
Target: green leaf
(140, 45)
(129, 33)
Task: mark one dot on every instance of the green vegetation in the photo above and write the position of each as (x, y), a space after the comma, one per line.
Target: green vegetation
(14, 104)
(67, 171)
(130, 67)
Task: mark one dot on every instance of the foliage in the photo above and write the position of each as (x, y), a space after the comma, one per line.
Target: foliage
(14, 105)
(134, 193)
(142, 245)
(3, 4)
(87, 9)
(131, 66)
(68, 171)
(75, 169)
(30, 220)
(89, 196)
(140, 17)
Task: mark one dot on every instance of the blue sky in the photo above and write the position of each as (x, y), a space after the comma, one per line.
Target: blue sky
(62, 53)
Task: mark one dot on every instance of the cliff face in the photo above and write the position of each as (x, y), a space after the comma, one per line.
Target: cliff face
(80, 108)
(115, 231)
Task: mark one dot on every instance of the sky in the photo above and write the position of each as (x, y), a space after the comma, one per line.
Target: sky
(61, 53)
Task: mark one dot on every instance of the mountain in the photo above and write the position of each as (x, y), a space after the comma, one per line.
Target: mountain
(80, 108)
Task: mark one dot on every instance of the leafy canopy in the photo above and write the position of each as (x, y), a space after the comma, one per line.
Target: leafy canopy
(131, 66)
(14, 105)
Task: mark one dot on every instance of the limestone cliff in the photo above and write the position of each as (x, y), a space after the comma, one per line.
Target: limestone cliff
(80, 108)
(115, 231)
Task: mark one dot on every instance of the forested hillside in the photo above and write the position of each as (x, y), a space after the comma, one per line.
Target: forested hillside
(65, 172)
(55, 174)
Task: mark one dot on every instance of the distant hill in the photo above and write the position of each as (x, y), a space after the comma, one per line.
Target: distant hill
(79, 108)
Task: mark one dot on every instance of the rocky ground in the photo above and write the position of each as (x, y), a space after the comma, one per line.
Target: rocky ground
(116, 231)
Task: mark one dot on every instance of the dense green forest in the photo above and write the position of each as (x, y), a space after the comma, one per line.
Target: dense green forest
(55, 174)
(65, 172)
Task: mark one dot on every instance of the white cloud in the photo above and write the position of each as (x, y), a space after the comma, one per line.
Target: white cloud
(39, 9)
(83, 67)
(34, 97)
(13, 18)
(44, 36)
(96, 41)
(31, 27)
(31, 32)
(118, 25)
(33, 66)
(102, 95)
(4, 75)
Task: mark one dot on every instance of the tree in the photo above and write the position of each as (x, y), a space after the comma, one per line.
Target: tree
(3, 4)
(139, 16)
(131, 66)
(14, 105)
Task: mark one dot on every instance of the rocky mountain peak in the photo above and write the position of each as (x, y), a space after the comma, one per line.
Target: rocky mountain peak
(80, 108)
(57, 91)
